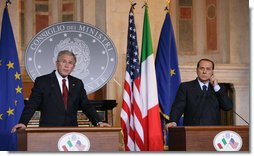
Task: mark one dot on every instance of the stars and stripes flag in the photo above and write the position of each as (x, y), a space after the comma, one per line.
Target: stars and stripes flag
(11, 90)
(140, 117)
(131, 115)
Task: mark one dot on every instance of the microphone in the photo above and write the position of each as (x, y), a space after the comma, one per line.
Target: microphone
(241, 118)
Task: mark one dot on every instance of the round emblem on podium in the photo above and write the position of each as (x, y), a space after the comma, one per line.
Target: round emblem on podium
(227, 141)
(73, 142)
(95, 52)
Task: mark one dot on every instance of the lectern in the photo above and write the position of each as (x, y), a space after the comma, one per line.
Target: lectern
(45, 139)
(200, 138)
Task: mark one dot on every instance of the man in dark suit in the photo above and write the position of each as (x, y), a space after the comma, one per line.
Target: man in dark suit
(200, 100)
(58, 96)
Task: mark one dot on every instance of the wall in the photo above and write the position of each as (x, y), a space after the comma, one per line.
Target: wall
(232, 58)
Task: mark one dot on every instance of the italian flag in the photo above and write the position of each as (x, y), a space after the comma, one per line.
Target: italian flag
(148, 89)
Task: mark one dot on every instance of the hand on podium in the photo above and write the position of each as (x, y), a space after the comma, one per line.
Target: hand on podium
(171, 124)
(103, 124)
(18, 126)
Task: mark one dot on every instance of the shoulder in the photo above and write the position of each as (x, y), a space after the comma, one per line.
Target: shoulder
(189, 83)
(75, 80)
(44, 77)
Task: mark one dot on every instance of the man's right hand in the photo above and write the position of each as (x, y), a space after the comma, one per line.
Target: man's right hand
(18, 126)
(171, 124)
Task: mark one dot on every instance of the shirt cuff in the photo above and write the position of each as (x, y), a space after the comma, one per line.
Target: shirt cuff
(216, 88)
(98, 124)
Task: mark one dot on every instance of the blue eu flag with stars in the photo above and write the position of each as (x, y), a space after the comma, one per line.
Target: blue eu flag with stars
(11, 90)
(167, 70)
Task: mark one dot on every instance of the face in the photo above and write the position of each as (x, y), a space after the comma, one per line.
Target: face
(65, 65)
(205, 71)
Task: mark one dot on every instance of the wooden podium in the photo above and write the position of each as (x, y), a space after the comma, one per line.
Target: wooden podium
(45, 139)
(200, 138)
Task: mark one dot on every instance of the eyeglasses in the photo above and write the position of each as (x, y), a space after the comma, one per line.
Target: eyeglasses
(66, 63)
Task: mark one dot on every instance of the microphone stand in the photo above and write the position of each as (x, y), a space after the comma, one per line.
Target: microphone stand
(242, 118)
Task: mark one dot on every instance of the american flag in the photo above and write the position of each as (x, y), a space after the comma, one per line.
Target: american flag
(131, 116)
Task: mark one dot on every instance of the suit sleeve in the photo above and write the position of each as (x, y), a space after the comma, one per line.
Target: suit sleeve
(178, 106)
(224, 100)
(87, 108)
(33, 103)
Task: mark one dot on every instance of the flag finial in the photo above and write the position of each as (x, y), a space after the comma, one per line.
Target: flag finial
(145, 3)
(7, 3)
(167, 8)
(132, 4)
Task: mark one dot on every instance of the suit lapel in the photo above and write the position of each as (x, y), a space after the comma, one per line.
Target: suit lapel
(56, 89)
(71, 92)
(197, 88)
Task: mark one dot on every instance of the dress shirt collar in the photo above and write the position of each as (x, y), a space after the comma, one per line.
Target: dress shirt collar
(60, 78)
(201, 84)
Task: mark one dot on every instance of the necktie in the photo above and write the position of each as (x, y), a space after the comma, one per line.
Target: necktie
(65, 93)
(204, 88)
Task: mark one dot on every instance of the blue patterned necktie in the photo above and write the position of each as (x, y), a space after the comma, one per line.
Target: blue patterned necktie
(204, 88)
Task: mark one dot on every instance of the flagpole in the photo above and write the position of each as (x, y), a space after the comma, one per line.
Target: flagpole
(131, 2)
(7, 2)
(145, 3)
(167, 8)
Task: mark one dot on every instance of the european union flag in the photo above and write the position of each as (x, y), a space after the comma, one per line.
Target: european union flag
(167, 71)
(11, 91)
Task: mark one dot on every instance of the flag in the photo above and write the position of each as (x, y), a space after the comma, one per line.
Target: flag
(11, 91)
(167, 70)
(131, 116)
(148, 89)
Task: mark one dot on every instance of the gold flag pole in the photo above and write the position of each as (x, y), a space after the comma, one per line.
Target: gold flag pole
(167, 8)
(131, 2)
(145, 3)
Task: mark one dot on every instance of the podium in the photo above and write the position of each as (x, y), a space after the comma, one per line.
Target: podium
(45, 139)
(200, 138)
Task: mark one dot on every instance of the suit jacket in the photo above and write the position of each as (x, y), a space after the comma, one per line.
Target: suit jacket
(199, 108)
(46, 96)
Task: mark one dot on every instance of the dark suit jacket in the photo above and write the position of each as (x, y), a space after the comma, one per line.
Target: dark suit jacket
(199, 108)
(46, 96)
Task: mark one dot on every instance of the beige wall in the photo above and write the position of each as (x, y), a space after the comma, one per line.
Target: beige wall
(112, 17)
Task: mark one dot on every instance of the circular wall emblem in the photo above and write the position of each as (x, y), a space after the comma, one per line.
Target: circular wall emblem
(95, 52)
(227, 141)
(73, 142)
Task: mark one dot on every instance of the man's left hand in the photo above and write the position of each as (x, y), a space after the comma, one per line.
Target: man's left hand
(103, 124)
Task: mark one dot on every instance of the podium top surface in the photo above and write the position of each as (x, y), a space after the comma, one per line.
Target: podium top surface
(198, 128)
(69, 129)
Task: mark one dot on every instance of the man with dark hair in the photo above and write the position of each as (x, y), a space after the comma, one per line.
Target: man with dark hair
(58, 96)
(200, 100)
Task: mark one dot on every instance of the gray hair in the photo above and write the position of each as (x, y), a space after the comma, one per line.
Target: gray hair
(66, 52)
